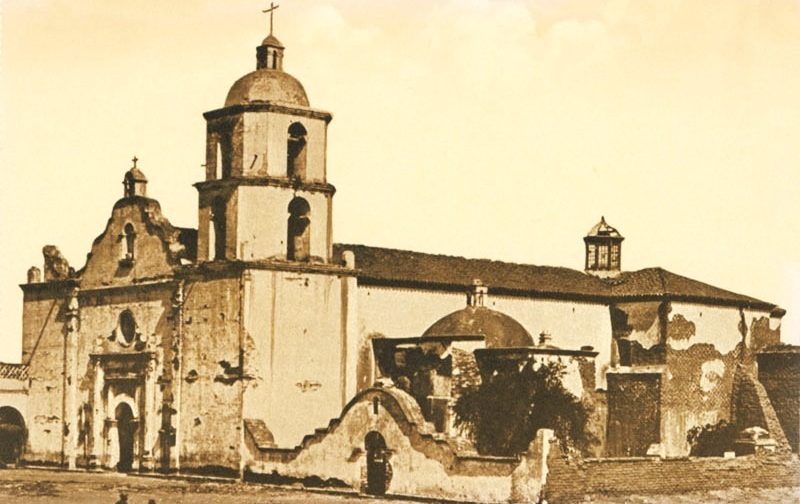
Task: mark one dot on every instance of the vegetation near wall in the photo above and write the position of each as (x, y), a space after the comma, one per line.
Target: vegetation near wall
(503, 413)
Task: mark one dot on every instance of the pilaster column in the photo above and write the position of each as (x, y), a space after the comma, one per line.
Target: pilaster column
(150, 413)
(71, 379)
(98, 416)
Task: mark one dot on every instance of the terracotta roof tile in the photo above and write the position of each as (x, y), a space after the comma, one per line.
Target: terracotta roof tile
(384, 266)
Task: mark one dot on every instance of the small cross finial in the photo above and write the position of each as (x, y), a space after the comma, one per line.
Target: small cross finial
(271, 11)
(135, 159)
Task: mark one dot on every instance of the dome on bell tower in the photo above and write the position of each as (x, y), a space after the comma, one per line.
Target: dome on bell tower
(268, 83)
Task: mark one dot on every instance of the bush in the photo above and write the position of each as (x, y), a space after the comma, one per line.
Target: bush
(503, 413)
(711, 440)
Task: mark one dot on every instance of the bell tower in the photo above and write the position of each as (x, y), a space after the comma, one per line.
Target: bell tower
(265, 195)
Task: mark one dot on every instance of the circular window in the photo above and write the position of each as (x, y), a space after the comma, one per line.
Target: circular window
(127, 326)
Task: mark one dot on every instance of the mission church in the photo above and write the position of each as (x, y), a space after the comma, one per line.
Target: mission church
(256, 344)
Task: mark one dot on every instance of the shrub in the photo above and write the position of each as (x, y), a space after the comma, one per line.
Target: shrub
(503, 413)
(711, 440)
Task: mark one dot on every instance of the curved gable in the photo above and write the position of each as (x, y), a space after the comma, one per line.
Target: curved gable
(139, 243)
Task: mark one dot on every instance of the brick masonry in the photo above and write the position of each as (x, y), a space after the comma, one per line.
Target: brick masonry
(779, 372)
(574, 480)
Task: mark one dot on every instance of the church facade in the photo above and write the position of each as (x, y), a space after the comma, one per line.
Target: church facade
(229, 347)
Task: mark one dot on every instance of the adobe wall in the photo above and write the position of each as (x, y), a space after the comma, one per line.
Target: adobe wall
(99, 333)
(423, 465)
(401, 312)
(579, 480)
(43, 348)
(262, 222)
(209, 431)
(779, 373)
(300, 356)
(703, 346)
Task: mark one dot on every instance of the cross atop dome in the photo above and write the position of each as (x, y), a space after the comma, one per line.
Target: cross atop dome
(271, 11)
(270, 52)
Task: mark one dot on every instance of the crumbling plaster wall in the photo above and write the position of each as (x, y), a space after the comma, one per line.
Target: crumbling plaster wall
(209, 436)
(421, 466)
(703, 345)
(300, 353)
(151, 252)
(43, 349)
(401, 312)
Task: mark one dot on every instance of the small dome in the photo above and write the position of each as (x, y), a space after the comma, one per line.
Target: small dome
(499, 330)
(273, 41)
(603, 229)
(267, 86)
(136, 175)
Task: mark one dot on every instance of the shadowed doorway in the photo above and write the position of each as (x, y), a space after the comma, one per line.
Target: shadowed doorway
(125, 430)
(378, 468)
(12, 435)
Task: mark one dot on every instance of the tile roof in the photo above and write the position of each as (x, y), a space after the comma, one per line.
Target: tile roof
(384, 266)
(13, 371)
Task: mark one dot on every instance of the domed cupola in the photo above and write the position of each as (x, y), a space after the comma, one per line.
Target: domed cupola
(498, 329)
(269, 83)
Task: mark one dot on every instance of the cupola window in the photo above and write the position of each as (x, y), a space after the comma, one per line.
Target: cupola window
(299, 231)
(296, 152)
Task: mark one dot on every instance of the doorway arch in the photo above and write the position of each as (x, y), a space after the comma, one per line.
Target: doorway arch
(12, 435)
(126, 429)
(379, 471)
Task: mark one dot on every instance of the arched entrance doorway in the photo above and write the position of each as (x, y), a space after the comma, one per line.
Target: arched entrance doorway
(12, 435)
(379, 471)
(125, 429)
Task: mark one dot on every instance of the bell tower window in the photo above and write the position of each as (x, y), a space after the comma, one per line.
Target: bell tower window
(299, 231)
(217, 242)
(129, 243)
(218, 164)
(296, 152)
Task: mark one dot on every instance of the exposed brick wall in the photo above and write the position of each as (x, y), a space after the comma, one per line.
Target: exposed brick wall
(779, 372)
(571, 480)
(752, 407)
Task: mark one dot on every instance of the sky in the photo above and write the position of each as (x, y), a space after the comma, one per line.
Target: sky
(501, 129)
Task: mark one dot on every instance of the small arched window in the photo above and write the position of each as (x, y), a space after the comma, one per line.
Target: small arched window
(218, 163)
(218, 228)
(127, 327)
(299, 231)
(128, 239)
(296, 152)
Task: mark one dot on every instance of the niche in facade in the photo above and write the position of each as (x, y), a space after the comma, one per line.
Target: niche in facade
(127, 332)
(299, 231)
(296, 152)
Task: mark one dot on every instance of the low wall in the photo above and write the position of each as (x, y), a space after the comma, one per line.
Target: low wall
(573, 480)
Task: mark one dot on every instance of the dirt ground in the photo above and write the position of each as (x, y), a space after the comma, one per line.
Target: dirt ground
(45, 487)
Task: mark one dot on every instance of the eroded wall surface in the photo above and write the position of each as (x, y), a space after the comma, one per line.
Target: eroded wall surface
(300, 357)
(210, 429)
(422, 464)
(401, 312)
